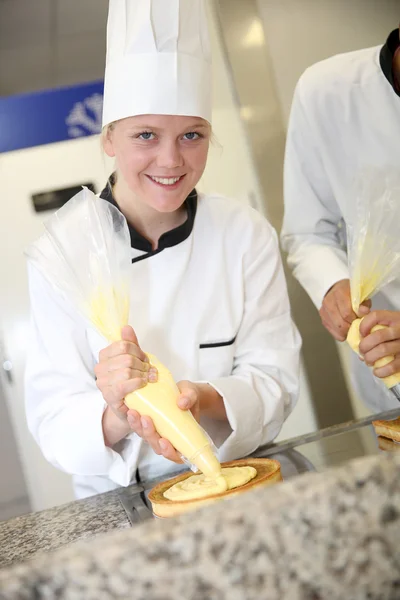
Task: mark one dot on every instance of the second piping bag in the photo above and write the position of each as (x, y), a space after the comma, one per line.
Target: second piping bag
(374, 249)
(85, 253)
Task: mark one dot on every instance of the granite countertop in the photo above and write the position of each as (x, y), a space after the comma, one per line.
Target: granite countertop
(322, 535)
(24, 536)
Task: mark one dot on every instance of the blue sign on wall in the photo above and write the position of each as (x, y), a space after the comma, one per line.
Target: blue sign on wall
(50, 116)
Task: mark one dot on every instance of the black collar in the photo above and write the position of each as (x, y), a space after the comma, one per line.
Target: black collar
(169, 238)
(386, 57)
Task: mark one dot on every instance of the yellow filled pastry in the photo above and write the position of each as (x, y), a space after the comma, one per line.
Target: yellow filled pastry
(188, 492)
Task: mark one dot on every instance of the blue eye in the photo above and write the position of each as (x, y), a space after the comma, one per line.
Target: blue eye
(192, 135)
(146, 135)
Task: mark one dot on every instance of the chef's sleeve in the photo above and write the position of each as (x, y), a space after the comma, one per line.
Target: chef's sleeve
(263, 387)
(64, 408)
(312, 219)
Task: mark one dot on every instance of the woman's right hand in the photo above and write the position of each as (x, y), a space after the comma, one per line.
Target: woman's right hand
(123, 368)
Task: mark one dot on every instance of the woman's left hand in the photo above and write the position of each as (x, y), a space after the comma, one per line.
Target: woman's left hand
(189, 399)
(383, 342)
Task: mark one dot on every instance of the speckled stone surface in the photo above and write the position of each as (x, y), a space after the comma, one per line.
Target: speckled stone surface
(24, 536)
(320, 536)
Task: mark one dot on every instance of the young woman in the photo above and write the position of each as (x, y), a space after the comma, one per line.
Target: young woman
(209, 297)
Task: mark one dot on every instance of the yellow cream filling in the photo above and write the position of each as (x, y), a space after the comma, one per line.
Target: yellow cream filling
(354, 340)
(372, 268)
(200, 486)
(109, 311)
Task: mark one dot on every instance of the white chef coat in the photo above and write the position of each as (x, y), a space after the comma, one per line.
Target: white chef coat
(345, 117)
(211, 304)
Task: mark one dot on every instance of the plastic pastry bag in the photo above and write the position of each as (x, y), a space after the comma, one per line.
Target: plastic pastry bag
(373, 234)
(373, 244)
(85, 253)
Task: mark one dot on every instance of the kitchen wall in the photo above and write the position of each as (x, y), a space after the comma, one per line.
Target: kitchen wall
(23, 173)
(299, 33)
(13, 491)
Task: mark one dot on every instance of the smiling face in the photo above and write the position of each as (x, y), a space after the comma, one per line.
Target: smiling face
(160, 158)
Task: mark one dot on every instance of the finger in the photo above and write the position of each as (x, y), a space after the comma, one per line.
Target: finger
(153, 374)
(382, 351)
(116, 390)
(120, 348)
(390, 369)
(133, 414)
(106, 378)
(135, 422)
(373, 339)
(125, 361)
(196, 412)
(111, 394)
(187, 399)
(150, 434)
(115, 395)
(128, 334)
(378, 317)
(123, 388)
(380, 337)
(114, 377)
(344, 306)
(168, 451)
(364, 308)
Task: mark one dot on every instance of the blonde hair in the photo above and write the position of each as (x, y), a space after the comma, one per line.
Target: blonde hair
(105, 131)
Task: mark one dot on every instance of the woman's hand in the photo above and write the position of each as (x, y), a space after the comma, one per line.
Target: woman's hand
(123, 368)
(383, 342)
(336, 311)
(189, 399)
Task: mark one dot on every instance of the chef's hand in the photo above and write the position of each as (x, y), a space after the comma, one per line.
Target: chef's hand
(383, 342)
(123, 368)
(336, 311)
(189, 399)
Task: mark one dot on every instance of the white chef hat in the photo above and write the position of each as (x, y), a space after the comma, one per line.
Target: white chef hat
(158, 59)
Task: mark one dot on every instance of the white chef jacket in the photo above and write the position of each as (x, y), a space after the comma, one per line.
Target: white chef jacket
(345, 117)
(211, 303)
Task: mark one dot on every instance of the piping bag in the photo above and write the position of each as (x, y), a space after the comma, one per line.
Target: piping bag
(85, 253)
(374, 249)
